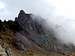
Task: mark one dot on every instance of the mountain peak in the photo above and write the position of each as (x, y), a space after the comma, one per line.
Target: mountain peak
(22, 11)
(27, 22)
(34, 31)
(21, 14)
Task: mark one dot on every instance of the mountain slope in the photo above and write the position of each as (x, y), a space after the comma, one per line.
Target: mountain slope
(29, 36)
(33, 29)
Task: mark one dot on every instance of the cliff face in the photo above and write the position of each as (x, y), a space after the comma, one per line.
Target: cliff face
(27, 23)
(32, 29)
(34, 32)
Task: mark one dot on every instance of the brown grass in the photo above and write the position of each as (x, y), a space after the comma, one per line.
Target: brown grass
(6, 39)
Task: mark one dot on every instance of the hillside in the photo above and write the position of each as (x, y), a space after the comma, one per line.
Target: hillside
(28, 36)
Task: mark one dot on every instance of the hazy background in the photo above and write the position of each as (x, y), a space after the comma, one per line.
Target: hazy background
(61, 14)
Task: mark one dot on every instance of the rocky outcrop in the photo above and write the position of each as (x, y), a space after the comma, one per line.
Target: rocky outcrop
(32, 28)
(2, 51)
(33, 31)
(27, 23)
(5, 51)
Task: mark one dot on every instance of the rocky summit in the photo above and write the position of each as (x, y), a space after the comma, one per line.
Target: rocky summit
(27, 23)
(34, 32)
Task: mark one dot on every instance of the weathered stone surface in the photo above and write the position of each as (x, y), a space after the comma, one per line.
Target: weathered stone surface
(2, 51)
(27, 23)
(34, 31)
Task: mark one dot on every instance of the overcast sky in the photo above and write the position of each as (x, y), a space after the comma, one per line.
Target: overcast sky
(60, 12)
(46, 8)
(10, 8)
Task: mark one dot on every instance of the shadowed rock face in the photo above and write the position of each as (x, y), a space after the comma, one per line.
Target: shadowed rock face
(27, 23)
(36, 35)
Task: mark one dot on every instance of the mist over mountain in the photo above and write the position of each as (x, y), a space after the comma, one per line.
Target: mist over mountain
(31, 32)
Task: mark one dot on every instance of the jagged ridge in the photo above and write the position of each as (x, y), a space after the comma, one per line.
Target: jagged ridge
(33, 30)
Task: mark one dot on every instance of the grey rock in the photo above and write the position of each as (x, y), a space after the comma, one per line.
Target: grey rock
(34, 32)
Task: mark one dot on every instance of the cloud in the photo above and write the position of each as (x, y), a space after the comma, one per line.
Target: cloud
(4, 12)
(44, 8)
(40, 7)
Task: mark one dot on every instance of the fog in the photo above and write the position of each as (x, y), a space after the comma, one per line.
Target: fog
(59, 14)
